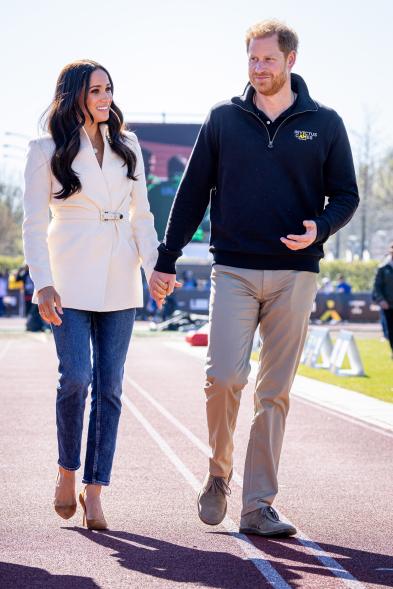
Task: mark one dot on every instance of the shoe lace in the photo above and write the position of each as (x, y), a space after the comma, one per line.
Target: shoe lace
(219, 485)
(272, 513)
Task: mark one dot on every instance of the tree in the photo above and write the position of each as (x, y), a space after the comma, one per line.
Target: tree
(356, 237)
(11, 215)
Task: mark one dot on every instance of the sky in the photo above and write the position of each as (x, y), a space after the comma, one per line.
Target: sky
(182, 56)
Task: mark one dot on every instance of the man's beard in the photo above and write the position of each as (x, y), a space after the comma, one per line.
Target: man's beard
(277, 82)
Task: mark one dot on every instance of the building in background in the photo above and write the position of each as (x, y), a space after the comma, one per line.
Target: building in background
(166, 148)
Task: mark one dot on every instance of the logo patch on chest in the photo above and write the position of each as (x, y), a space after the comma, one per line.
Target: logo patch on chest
(305, 135)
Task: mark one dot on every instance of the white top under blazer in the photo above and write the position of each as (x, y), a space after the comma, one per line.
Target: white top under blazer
(92, 248)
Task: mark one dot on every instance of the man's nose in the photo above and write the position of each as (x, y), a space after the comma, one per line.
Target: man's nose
(259, 66)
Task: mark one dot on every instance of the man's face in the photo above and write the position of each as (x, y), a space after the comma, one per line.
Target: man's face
(268, 68)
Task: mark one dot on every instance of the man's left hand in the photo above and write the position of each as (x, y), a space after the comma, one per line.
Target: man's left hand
(299, 242)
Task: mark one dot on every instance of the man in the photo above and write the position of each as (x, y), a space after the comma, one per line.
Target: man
(266, 160)
(28, 287)
(342, 285)
(3, 291)
(383, 294)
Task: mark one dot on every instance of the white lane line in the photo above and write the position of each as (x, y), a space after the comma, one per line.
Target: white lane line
(203, 447)
(362, 420)
(5, 350)
(312, 547)
(252, 553)
(378, 429)
(41, 337)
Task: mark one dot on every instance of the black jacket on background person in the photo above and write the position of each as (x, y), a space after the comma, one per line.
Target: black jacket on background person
(262, 186)
(383, 286)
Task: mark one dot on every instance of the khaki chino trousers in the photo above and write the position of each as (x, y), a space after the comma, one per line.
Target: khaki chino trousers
(280, 302)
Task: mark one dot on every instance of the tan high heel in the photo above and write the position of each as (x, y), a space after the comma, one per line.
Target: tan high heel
(65, 511)
(91, 524)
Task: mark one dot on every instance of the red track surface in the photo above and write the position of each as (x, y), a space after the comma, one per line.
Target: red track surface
(336, 487)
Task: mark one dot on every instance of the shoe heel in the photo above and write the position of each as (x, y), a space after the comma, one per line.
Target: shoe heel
(91, 524)
(83, 505)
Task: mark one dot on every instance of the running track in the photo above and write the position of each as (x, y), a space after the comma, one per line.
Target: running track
(336, 487)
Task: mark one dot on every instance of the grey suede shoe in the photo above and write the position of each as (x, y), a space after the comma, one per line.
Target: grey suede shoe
(212, 499)
(265, 522)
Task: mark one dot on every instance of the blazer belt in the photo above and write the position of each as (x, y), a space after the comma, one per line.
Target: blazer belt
(111, 216)
(103, 215)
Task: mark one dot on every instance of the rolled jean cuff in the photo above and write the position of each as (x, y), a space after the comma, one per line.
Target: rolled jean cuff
(70, 468)
(95, 482)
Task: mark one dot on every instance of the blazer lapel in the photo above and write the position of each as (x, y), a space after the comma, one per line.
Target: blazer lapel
(86, 165)
(114, 172)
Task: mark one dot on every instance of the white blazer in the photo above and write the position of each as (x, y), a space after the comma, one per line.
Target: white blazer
(93, 263)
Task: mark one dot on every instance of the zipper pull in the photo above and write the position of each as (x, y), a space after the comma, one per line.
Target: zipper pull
(270, 144)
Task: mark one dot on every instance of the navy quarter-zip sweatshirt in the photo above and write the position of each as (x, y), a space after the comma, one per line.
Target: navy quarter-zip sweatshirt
(262, 186)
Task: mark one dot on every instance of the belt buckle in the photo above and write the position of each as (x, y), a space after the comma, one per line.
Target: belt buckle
(111, 216)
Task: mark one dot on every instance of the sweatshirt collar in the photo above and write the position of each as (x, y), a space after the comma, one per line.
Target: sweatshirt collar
(303, 103)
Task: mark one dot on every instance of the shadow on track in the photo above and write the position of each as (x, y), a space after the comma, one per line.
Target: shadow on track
(16, 576)
(177, 563)
(366, 567)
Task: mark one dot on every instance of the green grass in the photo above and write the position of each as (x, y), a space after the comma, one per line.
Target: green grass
(378, 366)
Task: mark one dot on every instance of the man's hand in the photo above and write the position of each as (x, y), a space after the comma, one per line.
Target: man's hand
(299, 242)
(162, 285)
(384, 305)
(48, 303)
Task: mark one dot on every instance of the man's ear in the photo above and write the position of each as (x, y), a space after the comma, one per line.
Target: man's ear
(291, 59)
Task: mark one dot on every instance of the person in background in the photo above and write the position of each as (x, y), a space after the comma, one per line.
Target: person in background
(188, 279)
(326, 286)
(383, 293)
(3, 291)
(342, 285)
(28, 287)
(382, 319)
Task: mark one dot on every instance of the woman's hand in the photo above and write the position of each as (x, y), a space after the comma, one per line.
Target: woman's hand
(162, 285)
(49, 305)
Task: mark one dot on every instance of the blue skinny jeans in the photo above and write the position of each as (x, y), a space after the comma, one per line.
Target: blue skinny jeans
(91, 348)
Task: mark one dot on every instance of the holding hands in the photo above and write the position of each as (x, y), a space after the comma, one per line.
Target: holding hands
(299, 242)
(162, 285)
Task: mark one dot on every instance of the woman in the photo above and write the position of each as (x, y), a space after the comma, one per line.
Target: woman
(85, 265)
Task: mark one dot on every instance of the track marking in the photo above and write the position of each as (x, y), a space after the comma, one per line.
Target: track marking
(351, 419)
(312, 547)
(5, 350)
(41, 337)
(252, 553)
(383, 429)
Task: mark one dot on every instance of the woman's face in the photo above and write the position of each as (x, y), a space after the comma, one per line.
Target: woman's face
(99, 97)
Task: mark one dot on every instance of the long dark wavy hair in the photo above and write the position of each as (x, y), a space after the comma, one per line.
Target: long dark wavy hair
(64, 119)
